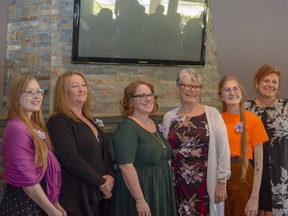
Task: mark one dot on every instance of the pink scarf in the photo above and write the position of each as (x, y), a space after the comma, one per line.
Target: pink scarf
(20, 169)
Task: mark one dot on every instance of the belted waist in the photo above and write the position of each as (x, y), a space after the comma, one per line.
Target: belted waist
(237, 160)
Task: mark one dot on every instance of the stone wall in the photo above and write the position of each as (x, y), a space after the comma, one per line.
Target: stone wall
(39, 43)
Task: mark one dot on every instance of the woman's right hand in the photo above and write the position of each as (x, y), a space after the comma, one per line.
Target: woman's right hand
(60, 208)
(142, 207)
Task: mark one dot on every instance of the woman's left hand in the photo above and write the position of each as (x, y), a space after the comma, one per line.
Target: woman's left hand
(107, 187)
(220, 192)
(251, 207)
(107, 195)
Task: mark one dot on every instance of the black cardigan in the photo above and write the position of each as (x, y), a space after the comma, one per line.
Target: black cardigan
(83, 161)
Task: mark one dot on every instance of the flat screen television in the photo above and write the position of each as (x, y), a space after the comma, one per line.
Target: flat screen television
(145, 32)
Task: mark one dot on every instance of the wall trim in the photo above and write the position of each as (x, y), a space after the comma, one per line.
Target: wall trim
(110, 121)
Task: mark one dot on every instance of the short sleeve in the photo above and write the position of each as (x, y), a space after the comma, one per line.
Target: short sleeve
(125, 142)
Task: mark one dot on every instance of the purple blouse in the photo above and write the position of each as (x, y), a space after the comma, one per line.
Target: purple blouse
(20, 169)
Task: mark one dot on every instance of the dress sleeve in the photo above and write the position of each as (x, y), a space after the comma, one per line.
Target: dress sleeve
(20, 168)
(125, 143)
(63, 138)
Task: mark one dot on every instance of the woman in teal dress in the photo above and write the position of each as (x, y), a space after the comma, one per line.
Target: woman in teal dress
(143, 183)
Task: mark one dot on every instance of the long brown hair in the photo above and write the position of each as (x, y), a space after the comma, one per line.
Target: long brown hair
(15, 110)
(243, 147)
(61, 102)
(129, 91)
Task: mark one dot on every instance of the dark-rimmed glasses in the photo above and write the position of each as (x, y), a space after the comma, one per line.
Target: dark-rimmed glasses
(228, 90)
(31, 92)
(188, 87)
(144, 97)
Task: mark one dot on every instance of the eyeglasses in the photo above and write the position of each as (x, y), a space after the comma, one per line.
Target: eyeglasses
(31, 92)
(144, 97)
(228, 90)
(188, 87)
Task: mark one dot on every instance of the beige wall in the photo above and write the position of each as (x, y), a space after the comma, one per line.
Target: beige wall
(249, 34)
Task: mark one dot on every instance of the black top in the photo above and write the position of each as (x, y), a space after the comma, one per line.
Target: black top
(83, 160)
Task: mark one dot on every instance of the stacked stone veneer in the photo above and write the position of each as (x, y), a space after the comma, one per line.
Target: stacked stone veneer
(39, 43)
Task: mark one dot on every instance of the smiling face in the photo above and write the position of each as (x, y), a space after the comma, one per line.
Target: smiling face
(231, 93)
(189, 90)
(268, 86)
(143, 105)
(77, 91)
(31, 103)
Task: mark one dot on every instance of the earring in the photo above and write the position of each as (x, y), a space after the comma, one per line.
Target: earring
(222, 99)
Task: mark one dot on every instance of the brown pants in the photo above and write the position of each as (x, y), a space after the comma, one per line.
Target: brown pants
(238, 191)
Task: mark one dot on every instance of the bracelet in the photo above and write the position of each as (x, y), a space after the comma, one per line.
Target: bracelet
(223, 181)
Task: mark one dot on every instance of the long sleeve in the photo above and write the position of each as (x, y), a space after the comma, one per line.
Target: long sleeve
(75, 146)
(218, 157)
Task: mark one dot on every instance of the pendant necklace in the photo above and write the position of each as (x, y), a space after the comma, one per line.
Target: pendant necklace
(158, 138)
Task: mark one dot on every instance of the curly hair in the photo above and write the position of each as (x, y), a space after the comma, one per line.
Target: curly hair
(265, 70)
(129, 91)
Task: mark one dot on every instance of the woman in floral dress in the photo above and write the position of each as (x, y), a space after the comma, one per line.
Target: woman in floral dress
(201, 157)
(273, 112)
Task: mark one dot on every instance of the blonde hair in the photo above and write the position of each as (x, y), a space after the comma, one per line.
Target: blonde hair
(15, 110)
(61, 102)
(243, 147)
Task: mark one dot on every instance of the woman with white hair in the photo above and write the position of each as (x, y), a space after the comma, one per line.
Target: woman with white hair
(201, 157)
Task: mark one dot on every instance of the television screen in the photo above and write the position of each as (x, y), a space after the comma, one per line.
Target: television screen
(146, 32)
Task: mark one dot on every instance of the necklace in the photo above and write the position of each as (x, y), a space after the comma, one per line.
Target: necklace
(158, 138)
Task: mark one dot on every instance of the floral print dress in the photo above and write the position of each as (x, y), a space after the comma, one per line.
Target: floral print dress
(275, 157)
(189, 138)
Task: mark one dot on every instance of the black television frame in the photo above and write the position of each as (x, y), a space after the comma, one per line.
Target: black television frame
(77, 59)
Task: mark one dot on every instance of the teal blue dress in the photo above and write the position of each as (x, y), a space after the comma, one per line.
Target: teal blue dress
(133, 144)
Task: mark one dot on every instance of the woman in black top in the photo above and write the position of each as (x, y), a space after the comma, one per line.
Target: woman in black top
(82, 149)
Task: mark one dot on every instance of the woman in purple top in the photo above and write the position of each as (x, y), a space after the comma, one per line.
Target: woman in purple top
(31, 171)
